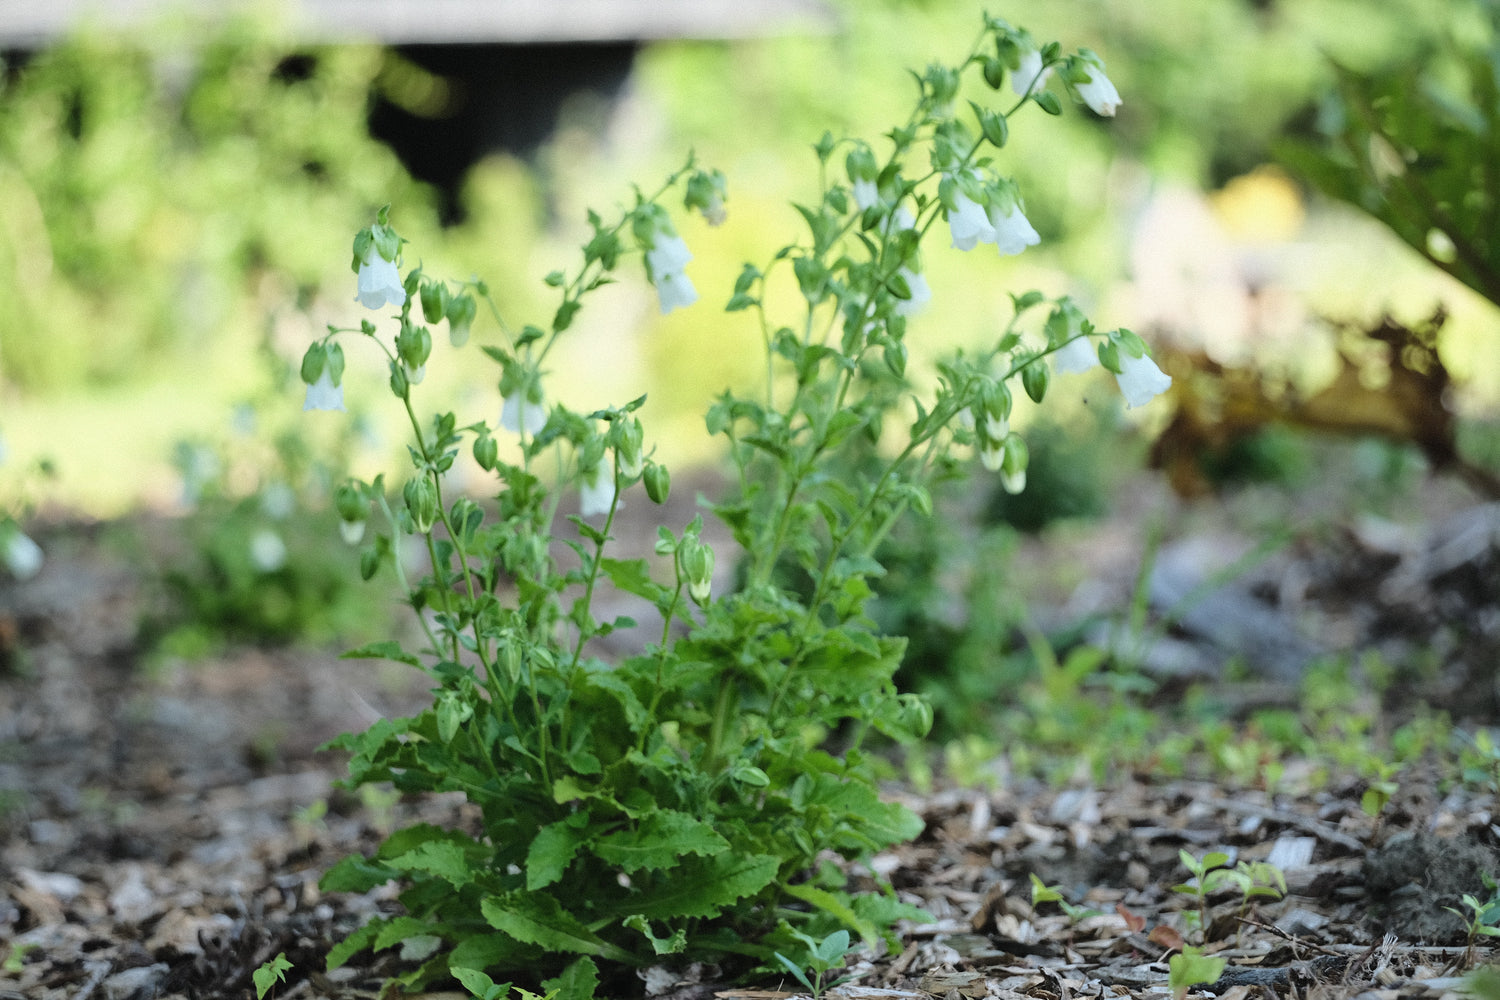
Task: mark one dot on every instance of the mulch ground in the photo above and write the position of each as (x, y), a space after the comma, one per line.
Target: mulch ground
(164, 836)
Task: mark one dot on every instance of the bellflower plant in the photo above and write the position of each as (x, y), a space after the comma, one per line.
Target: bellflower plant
(673, 796)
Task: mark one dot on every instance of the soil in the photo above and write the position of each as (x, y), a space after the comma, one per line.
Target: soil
(164, 832)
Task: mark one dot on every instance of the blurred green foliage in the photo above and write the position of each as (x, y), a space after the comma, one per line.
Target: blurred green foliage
(150, 185)
(1416, 144)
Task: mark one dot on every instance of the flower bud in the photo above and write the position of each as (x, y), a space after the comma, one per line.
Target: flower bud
(658, 482)
(414, 346)
(486, 452)
(1014, 459)
(421, 503)
(627, 436)
(434, 297)
(460, 312)
(696, 562)
(1035, 378)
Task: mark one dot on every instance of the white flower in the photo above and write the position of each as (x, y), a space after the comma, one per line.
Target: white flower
(323, 394)
(969, 223)
(675, 291)
(414, 376)
(714, 213)
(267, 551)
(866, 193)
(352, 532)
(902, 219)
(517, 413)
(664, 263)
(1140, 380)
(995, 428)
(991, 455)
(380, 283)
(1029, 76)
(596, 493)
(22, 556)
(1077, 355)
(921, 293)
(1012, 232)
(1098, 93)
(1013, 482)
(668, 255)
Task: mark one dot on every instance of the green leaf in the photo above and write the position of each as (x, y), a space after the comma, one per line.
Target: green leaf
(633, 576)
(660, 841)
(444, 859)
(836, 905)
(353, 944)
(551, 851)
(703, 887)
(579, 981)
(661, 946)
(479, 984)
(356, 873)
(539, 919)
(387, 650)
(269, 974)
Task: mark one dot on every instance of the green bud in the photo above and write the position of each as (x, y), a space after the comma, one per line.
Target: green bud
(486, 452)
(399, 383)
(460, 312)
(627, 436)
(1013, 461)
(696, 562)
(860, 164)
(421, 503)
(994, 72)
(413, 345)
(658, 482)
(434, 296)
(1035, 378)
(349, 500)
(369, 562)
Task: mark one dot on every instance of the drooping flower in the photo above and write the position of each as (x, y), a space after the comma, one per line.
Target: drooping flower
(866, 193)
(596, 491)
(379, 282)
(665, 261)
(324, 394)
(22, 556)
(1077, 355)
(921, 292)
(1013, 232)
(520, 414)
(1097, 91)
(1140, 380)
(968, 222)
(267, 551)
(1030, 76)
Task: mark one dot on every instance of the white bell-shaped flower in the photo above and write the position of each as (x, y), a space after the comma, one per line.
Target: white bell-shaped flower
(380, 283)
(1140, 380)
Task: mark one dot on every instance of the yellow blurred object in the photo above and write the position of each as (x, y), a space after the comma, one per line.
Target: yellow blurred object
(1262, 206)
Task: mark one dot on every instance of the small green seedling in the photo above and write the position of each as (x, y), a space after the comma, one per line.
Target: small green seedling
(1190, 967)
(1209, 876)
(821, 957)
(268, 975)
(1381, 788)
(16, 960)
(1042, 893)
(1483, 918)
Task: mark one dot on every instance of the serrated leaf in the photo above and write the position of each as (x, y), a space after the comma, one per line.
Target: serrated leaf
(838, 907)
(660, 841)
(398, 929)
(444, 859)
(703, 887)
(539, 919)
(550, 853)
(353, 944)
(579, 981)
(479, 984)
(355, 873)
(661, 946)
(386, 650)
